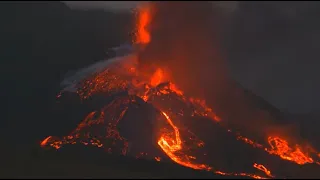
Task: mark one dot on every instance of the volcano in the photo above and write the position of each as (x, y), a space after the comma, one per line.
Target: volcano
(143, 114)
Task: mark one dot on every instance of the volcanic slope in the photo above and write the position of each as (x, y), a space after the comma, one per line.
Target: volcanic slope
(173, 127)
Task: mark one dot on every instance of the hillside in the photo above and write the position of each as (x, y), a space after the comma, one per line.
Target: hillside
(50, 164)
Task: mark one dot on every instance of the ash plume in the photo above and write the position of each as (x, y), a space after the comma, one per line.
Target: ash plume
(185, 41)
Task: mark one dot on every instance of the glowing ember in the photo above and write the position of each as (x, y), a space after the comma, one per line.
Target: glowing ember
(45, 141)
(249, 141)
(157, 158)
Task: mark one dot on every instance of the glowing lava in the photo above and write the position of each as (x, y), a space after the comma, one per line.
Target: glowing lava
(171, 141)
(170, 144)
(144, 17)
(263, 168)
(281, 148)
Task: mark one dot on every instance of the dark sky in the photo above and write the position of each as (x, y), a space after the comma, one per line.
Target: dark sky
(279, 58)
(125, 5)
(122, 5)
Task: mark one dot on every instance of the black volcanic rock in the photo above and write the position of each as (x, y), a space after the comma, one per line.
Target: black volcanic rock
(64, 164)
(137, 125)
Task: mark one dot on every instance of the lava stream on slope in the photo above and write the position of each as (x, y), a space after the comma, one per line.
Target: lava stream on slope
(175, 139)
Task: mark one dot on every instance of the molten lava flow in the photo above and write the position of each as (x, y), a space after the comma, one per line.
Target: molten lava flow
(263, 168)
(240, 174)
(171, 143)
(281, 148)
(249, 141)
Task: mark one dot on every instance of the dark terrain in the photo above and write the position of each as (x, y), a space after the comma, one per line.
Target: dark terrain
(49, 164)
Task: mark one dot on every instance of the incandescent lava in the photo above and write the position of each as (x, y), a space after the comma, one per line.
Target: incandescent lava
(174, 111)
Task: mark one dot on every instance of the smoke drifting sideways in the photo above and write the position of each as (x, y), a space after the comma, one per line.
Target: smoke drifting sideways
(185, 43)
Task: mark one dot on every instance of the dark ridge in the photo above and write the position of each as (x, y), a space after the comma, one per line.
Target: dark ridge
(260, 103)
(80, 164)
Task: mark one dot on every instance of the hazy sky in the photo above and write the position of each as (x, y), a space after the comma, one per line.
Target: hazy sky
(121, 5)
(125, 5)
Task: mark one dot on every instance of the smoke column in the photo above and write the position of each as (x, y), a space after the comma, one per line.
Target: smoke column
(184, 42)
